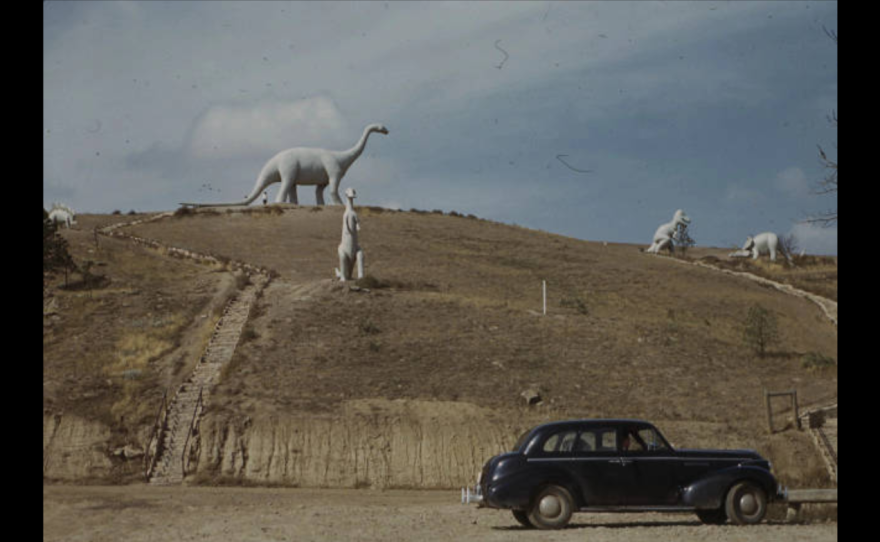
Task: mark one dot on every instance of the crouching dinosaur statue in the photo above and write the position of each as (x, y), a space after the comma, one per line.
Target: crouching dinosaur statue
(62, 214)
(664, 234)
(304, 166)
(350, 253)
(763, 243)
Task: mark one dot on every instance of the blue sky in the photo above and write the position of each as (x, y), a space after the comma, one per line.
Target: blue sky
(713, 107)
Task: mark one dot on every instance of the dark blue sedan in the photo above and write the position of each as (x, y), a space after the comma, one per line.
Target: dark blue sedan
(560, 468)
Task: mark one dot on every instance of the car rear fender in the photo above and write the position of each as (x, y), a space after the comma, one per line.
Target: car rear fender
(709, 492)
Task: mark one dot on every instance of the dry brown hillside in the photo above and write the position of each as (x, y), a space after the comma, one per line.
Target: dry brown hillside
(449, 324)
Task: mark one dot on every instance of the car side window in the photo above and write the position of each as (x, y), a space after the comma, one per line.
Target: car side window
(586, 442)
(651, 440)
(560, 442)
(607, 439)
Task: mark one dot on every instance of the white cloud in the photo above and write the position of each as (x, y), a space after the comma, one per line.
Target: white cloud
(265, 128)
(792, 181)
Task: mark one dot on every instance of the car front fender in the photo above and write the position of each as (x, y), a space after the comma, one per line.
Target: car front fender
(709, 492)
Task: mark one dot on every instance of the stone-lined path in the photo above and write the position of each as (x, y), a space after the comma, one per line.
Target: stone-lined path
(185, 408)
(179, 431)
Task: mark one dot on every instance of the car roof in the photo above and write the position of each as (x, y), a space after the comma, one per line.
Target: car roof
(596, 421)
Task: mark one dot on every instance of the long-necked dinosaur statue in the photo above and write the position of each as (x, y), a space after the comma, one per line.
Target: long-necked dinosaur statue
(304, 166)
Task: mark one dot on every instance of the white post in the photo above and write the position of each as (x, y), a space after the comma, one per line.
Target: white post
(544, 287)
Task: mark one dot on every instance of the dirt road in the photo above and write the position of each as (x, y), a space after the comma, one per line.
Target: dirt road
(145, 513)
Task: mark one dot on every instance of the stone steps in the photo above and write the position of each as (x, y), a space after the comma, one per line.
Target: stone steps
(185, 409)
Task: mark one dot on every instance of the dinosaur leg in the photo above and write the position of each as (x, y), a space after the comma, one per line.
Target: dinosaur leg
(360, 263)
(334, 191)
(319, 194)
(772, 254)
(344, 271)
(664, 244)
(288, 186)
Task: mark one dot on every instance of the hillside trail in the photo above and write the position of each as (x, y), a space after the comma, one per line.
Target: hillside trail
(177, 437)
(829, 307)
(184, 412)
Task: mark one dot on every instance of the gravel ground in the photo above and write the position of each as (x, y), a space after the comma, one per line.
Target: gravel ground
(146, 513)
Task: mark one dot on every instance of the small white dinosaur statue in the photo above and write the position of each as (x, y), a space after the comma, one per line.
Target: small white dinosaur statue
(305, 166)
(350, 253)
(663, 235)
(767, 242)
(62, 214)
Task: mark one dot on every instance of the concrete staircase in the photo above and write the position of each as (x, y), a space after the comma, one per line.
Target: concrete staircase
(184, 411)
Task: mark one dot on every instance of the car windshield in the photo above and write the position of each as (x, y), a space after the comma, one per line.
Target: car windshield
(521, 441)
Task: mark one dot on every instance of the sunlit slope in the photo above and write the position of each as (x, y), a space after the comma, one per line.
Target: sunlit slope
(454, 312)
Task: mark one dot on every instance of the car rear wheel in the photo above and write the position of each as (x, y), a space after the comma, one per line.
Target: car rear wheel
(523, 518)
(551, 508)
(746, 504)
(712, 517)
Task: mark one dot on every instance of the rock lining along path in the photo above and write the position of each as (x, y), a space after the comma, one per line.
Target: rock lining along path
(178, 434)
(829, 307)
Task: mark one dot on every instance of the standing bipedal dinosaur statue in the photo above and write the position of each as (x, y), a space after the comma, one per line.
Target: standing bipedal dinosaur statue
(350, 253)
(62, 214)
(664, 234)
(767, 242)
(304, 166)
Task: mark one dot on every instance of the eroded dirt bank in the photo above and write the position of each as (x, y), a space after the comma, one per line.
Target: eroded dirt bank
(139, 512)
(374, 444)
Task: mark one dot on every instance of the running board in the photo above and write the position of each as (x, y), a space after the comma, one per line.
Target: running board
(668, 509)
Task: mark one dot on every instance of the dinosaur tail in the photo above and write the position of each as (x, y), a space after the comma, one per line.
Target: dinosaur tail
(267, 177)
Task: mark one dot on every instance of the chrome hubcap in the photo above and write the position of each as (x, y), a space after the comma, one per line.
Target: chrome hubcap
(748, 504)
(550, 507)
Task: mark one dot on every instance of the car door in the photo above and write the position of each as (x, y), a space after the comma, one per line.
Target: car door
(606, 480)
(653, 467)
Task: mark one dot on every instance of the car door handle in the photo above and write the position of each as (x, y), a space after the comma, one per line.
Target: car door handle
(621, 461)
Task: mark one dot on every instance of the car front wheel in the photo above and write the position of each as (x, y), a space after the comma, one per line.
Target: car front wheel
(552, 508)
(746, 504)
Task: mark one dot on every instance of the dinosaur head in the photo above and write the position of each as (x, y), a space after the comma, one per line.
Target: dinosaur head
(350, 193)
(749, 244)
(379, 128)
(681, 218)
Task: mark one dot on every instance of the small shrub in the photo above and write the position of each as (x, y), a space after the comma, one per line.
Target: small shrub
(575, 303)
(814, 361)
(248, 334)
(369, 328)
(760, 330)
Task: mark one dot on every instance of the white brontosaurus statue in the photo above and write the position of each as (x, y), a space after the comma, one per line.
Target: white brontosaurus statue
(767, 242)
(62, 214)
(664, 234)
(350, 253)
(305, 166)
